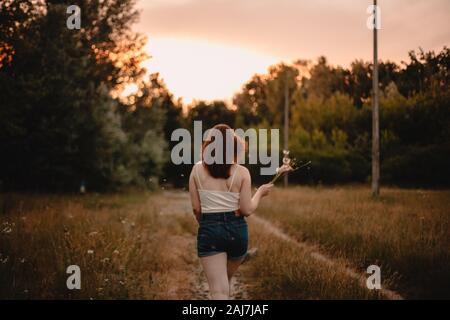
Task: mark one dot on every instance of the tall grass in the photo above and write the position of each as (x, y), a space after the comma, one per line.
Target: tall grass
(405, 232)
(123, 246)
(142, 245)
(283, 271)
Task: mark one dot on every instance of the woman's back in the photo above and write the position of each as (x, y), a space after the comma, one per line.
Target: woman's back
(221, 196)
(221, 186)
(218, 194)
(206, 182)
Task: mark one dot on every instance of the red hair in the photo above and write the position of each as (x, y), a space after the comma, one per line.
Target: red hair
(222, 168)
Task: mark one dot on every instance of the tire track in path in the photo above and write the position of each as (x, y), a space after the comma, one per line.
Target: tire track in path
(319, 256)
(178, 204)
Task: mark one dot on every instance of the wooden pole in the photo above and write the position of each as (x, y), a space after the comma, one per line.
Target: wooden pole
(375, 112)
(286, 121)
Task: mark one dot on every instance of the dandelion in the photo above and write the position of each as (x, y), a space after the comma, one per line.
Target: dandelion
(93, 233)
(288, 165)
(22, 260)
(286, 159)
(116, 251)
(90, 251)
(105, 260)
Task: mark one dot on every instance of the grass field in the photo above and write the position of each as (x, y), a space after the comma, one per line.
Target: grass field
(123, 246)
(142, 245)
(405, 232)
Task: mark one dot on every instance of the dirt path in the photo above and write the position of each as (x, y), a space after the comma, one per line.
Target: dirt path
(178, 204)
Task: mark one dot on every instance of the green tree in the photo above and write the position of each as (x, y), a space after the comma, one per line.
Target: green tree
(59, 122)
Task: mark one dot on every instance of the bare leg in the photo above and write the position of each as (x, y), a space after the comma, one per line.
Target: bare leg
(215, 268)
(232, 266)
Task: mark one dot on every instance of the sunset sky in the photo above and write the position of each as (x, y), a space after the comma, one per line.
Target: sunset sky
(207, 49)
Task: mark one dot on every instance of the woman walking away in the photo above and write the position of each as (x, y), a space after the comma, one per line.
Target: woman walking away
(221, 198)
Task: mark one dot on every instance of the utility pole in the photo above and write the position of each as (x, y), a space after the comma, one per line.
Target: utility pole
(286, 120)
(375, 111)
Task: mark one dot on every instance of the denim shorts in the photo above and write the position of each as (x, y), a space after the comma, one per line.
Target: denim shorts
(222, 232)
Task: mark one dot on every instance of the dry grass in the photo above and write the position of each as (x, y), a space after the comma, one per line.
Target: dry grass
(124, 247)
(405, 232)
(142, 245)
(282, 271)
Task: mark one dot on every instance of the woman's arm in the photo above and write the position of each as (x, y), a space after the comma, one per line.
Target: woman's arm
(195, 199)
(247, 203)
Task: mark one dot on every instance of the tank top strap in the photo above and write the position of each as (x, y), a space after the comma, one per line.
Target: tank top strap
(232, 179)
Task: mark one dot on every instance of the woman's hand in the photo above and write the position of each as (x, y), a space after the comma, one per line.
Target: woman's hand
(264, 190)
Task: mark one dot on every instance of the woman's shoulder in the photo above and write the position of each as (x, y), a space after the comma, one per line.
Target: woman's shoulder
(196, 167)
(240, 169)
(197, 164)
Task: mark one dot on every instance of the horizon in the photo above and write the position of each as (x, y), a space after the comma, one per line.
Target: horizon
(221, 54)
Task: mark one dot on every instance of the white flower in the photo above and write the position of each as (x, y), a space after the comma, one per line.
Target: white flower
(286, 159)
(284, 168)
(288, 166)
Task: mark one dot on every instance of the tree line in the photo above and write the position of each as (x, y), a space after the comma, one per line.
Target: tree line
(63, 121)
(330, 118)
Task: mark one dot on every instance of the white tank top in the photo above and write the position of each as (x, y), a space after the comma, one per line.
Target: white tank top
(212, 201)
